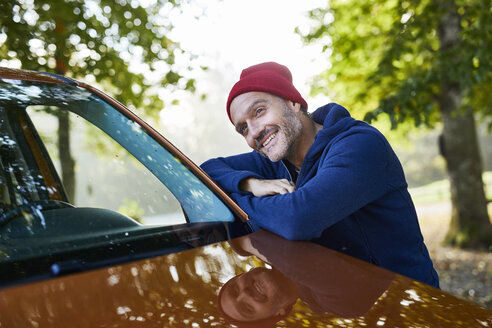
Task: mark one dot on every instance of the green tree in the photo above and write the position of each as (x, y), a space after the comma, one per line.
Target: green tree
(95, 40)
(423, 62)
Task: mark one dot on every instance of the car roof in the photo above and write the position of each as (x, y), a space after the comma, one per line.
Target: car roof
(25, 75)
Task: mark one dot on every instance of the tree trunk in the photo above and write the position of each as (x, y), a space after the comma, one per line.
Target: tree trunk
(469, 218)
(470, 225)
(67, 163)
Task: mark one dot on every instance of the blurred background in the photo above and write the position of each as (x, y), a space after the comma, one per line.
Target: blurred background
(420, 71)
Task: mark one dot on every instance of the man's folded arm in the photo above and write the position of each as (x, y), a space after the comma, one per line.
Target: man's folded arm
(228, 172)
(351, 178)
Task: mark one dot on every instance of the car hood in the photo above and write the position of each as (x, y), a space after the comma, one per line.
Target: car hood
(181, 290)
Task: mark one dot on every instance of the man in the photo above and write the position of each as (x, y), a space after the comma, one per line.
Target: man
(258, 298)
(325, 177)
(326, 281)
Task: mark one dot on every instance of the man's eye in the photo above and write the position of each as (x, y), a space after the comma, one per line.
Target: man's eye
(242, 130)
(259, 110)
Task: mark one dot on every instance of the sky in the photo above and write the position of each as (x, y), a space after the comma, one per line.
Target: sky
(235, 34)
(228, 36)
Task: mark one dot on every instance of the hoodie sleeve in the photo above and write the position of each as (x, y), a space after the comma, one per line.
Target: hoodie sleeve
(229, 171)
(351, 175)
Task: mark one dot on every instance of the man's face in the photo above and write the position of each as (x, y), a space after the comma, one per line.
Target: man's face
(269, 123)
(255, 295)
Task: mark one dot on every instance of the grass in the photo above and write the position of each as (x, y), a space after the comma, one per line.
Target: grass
(439, 191)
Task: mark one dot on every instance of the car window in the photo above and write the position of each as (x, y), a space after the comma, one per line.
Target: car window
(76, 172)
(98, 172)
(106, 160)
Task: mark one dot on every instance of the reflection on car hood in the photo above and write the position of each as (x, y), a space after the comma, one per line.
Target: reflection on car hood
(181, 290)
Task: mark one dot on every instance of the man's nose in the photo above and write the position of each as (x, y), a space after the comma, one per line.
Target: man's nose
(254, 129)
(254, 133)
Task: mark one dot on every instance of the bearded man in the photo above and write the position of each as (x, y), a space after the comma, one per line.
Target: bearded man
(322, 177)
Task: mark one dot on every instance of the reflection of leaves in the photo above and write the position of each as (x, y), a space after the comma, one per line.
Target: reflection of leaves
(49, 94)
(175, 291)
(105, 148)
(4, 256)
(131, 209)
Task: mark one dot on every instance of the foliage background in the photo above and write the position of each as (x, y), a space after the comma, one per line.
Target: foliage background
(144, 55)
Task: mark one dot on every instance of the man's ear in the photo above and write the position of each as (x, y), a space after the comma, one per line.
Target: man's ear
(296, 107)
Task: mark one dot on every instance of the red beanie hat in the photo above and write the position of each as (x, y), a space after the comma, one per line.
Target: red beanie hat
(267, 77)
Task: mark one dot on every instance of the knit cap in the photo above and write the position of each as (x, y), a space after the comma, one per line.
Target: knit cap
(268, 77)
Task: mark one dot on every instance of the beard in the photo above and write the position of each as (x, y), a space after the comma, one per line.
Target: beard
(288, 133)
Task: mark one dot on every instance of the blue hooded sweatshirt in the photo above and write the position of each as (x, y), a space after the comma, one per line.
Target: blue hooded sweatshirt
(351, 196)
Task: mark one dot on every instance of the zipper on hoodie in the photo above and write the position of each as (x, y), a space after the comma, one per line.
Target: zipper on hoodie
(288, 171)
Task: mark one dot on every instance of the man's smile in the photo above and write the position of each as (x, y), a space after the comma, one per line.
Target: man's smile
(266, 137)
(267, 141)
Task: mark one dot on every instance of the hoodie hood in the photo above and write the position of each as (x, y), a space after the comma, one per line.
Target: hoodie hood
(335, 119)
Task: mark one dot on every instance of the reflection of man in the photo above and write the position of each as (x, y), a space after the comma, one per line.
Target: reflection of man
(325, 280)
(260, 297)
(323, 177)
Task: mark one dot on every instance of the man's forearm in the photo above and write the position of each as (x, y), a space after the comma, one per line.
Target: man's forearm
(226, 175)
(262, 187)
(230, 172)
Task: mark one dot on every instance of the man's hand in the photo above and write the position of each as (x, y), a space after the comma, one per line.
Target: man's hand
(259, 187)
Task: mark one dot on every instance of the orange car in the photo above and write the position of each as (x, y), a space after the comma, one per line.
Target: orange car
(104, 223)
